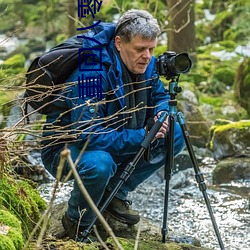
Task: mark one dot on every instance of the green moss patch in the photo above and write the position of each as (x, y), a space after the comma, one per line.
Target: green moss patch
(10, 231)
(22, 200)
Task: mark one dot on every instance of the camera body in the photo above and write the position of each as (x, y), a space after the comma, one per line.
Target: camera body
(171, 65)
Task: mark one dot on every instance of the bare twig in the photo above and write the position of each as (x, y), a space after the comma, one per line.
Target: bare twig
(138, 236)
(46, 216)
(99, 238)
(66, 154)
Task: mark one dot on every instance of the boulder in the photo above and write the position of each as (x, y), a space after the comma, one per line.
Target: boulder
(197, 125)
(231, 139)
(231, 169)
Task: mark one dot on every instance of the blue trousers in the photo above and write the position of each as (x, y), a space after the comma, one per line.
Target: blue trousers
(100, 170)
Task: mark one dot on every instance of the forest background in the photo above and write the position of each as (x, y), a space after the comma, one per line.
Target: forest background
(214, 33)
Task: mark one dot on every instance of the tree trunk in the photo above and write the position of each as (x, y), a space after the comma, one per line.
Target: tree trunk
(71, 7)
(181, 27)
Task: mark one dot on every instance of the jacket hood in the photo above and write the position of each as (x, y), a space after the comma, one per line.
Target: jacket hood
(101, 36)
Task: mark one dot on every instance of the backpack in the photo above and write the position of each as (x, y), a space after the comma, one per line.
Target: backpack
(48, 73)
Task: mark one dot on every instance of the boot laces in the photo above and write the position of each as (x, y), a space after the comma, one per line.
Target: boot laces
(127, 203)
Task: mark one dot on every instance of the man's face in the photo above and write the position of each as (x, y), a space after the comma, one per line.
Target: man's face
(137, 53)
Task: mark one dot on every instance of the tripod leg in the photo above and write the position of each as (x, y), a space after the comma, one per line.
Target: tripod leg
(168, 173)
(129, 168)
(199, 177)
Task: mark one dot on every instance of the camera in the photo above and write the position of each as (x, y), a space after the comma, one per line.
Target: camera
(171, 65)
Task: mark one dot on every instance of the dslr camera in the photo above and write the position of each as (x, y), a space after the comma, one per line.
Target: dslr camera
(171, 65)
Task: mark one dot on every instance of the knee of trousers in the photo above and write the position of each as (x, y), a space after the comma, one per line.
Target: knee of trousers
(98, 165)
(179, 142)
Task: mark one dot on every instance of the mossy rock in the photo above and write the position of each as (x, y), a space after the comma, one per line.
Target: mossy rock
(128, 244)
(10, 231)
(232, 139)
(22, 200)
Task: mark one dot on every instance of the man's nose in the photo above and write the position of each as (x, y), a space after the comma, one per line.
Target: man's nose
(146, 54)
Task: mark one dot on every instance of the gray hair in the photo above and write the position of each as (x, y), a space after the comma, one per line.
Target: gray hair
(137, 22)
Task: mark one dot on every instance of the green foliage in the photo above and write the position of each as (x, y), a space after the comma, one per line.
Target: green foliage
(17, 61)
(229, 23)
(12, 67)
(160, 50)
(224, 75)
(219, 102)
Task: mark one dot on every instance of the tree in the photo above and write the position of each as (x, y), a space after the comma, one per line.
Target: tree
(72, 11)
(181, 26)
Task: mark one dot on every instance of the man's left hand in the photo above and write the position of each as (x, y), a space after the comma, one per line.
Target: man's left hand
(163, 129)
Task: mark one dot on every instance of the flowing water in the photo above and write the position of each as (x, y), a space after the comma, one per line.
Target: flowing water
(187, 212)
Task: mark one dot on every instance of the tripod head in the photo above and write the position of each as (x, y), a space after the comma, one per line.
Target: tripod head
(174, 89)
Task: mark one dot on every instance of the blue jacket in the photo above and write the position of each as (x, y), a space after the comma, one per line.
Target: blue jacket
(101, 122)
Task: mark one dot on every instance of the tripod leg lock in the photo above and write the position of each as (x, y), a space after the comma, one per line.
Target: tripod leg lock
(127, 172)
(200, 180)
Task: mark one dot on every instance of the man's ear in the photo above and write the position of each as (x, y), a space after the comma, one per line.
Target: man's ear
(118, 42)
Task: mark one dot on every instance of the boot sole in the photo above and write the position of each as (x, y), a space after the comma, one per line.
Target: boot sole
(121, 219)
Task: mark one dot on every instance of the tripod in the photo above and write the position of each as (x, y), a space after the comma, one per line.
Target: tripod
(169, 163)
(173, 90)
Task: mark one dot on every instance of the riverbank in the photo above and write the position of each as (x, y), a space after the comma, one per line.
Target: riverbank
(188, 216)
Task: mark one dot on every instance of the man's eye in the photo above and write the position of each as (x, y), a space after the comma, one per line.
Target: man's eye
(139, 49)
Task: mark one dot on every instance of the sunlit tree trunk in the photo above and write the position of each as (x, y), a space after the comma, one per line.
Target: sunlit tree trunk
(72, 11)
(181, 27)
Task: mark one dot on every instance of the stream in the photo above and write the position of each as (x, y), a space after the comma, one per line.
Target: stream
(187, 212)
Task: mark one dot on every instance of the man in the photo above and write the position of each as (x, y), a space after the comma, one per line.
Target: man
(112, 129)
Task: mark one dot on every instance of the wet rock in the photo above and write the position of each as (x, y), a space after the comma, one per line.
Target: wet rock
(231, 169)
(181, 179)
(197, 125)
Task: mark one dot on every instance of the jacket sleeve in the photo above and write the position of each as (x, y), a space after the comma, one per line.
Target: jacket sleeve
(89, 125)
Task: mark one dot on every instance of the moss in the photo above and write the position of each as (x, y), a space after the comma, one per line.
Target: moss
(225, 75)
(9, 219)
(13, 239)
(128, 244)
(6, 243)
(236, 125)
(16, 237)
(212, 100)
(22, 200)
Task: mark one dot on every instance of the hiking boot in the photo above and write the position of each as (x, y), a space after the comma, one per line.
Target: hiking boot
(121, 211)
(75, 231)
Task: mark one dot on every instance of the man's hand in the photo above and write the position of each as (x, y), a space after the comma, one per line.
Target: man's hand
(164, 128)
